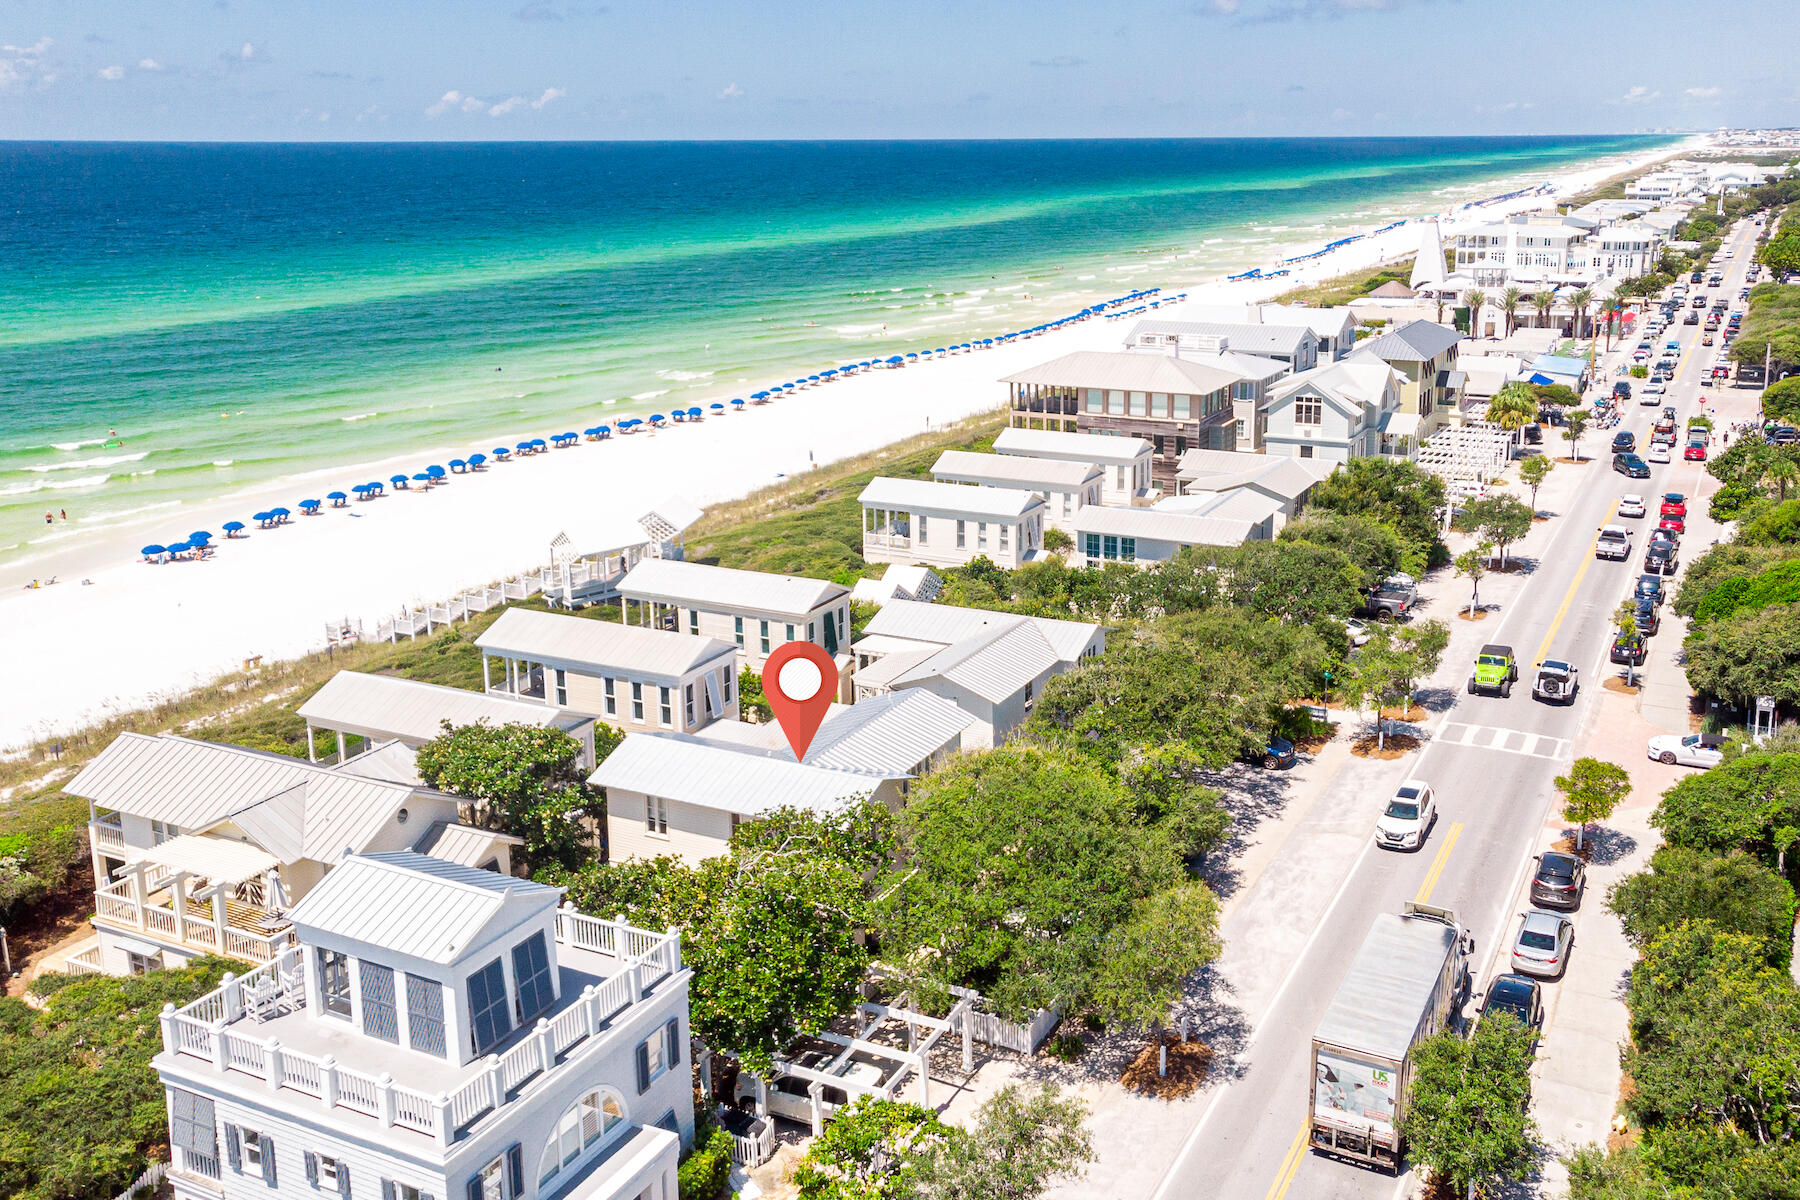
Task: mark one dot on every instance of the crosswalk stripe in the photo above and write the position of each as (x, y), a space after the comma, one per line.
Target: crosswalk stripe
(1507, 741)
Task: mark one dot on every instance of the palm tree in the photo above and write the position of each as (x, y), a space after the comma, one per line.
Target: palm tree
(1782, 474)
(1509, 301)
(1543, 301)
(1475, 299)
(1513, 407)
(1581, 301)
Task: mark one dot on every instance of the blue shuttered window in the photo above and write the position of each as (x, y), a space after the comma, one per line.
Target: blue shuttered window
(380, 1010)
(489, 1018)
(425, 1015)
(531, 974)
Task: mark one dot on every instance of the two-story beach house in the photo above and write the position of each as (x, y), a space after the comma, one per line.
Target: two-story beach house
(200, 848)
(754, 611)
(947, 524)
(1350, 409)
(1065, 487)
(629, 677)
(1124, 462)
(1286, 480)
(435, 1032)
(1423, 355)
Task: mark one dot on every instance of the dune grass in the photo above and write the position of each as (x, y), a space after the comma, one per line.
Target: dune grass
(1342, 289)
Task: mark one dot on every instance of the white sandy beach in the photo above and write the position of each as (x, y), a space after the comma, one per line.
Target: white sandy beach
(141, 630)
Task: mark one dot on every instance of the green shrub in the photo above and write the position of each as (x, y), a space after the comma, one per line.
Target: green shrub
(1779, 584)
(1729, 501)
(706, 1169)
(1640, 372)
(1058, 539)
(1064, 1046)
(841, 1164)
(43, 843)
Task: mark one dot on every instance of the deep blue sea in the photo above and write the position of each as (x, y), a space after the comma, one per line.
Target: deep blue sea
(238, 313)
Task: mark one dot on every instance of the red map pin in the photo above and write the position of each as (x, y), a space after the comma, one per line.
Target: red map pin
(799, 682)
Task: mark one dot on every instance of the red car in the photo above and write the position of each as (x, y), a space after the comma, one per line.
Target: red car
(1674, 504)
(1673, 524)
(1695, 452)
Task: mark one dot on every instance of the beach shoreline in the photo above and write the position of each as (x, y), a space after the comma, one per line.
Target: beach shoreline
(140, 631)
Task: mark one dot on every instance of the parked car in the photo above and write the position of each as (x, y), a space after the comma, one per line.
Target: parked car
(1629, 649)
(1542, 947)
(1649, 621)
(1658, 452)
(1675, 525)
(1557, 682)
(1660, 558)
(1277, 754)
(1631, 505)
(1692, 318)
(1518, 997)
(1701, 750)
(1656, 387)
(1409, 817)
(1622, 389)
(1674, 504)
(1631, 466)
(1496, 670)
(1649, 587)
(1358, 630)
(1785, 435)
(1614, 543)
(1695, 452)
(1558, 880)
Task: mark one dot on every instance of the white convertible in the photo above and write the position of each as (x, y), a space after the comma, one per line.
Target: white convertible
(1690, 750)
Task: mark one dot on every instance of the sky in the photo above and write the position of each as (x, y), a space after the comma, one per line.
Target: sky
(403, 70)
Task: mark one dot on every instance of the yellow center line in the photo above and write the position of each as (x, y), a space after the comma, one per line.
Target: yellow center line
(1284, 1178)
(1437, 864)
(1562, 610)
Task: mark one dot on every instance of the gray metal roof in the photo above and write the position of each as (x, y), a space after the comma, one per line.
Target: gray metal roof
(1159, 525)
(1243, 338)
(320, 823)
(916, 494)
(1379, 1005)
(995, 664)
(698, 585)
(961, 466)
(692, 770)
(892, 733)
(466, 845)
(1223, 470)
(415, 905)
(196, 784)
(946, 623)
(1134, 372)
(1073, 447)
(597, 646)
(1416, 341)
(387, 705)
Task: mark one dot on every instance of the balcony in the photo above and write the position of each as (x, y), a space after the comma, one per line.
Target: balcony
(218, 925)
(257, 1025)
(106, 832)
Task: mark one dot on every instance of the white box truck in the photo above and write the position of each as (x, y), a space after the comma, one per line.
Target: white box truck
(1407, 982)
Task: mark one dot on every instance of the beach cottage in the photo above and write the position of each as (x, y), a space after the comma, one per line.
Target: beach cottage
(1063, 486)
(1142, 536)
(1350, 409)
(362, 711)
(1124, 462)
(1423, 356)
(947, 524)
(1284, 479)
(754, 611)
(435, 1031)
(200, 848)
(629, 677)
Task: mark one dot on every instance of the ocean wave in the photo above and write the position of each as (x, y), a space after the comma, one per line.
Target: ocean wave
(79, 445)
(105, 460)
(25, 489)
(222, 462)
(649, 395)
(684, 376)
(126, 512)
(360, 416)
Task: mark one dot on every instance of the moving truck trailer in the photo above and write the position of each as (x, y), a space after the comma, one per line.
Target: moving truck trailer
(1408, 981)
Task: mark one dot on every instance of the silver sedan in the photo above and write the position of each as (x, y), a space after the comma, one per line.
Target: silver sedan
(1542, 948)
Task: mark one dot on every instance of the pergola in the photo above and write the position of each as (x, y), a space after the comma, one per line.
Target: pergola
(220, 863)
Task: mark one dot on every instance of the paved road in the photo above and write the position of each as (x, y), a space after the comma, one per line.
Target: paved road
(1491, 762)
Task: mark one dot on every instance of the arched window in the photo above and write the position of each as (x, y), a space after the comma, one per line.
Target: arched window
(583, 1126)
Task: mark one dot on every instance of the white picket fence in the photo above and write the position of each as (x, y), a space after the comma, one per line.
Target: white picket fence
(991, 1030)
(146, 1182)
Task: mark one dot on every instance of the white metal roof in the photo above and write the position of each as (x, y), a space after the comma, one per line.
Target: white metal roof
(1245, 338)
(891, 733)
(1240, 504)
(310, 822)
(697, 585)
(915, 494)
(1052, 474)
(943, 624)
(1381, 1001)
(995, 664)
(415, 905)
(1158, 525)
(1135, 372)
(387, 705)
(1224, 470)
(586, 644)
(219, 859)
(194, 784)
(691, 770)
(1075, 447)
(465, 844)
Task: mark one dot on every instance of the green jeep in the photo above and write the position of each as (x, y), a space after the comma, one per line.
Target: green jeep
(1496, 670)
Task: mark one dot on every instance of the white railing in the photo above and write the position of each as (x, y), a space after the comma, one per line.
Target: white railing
(115, 904)
(84, 962)
(758, 1148)
(153, 1175)
(105, 833)
(207, 1029)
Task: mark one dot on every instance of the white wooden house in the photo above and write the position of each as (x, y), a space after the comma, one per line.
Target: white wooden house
(1064, 486)
(361, 711)
(1124, 461)
(756, 612)
(946, 524)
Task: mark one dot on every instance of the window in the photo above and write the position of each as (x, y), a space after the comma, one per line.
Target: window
(727, 677)
(981, 535)
(736, 820)
(1003, 532)
(334, 982)
(141, 964)
(192, 1128)
(583, 1126)
(1308, 410)
(1180, 445)
(961, 534)
(688, 702)
(501, 1179)
(251, 1151)
(1128, 549)
(562, 688)
(658, 1054)
(1112, 546)
(922, 528)
(1159, 404)
(328, 1174)
(1306, 452)
(380, 1012)
(1156, 444)
(637, 701)
(765, 636)
(393, 1189)
(1093, 545)
(425, 1015)
(489, 1020)
(665, 706)
(693, 620)
(1096, 400)
(1115, 402)
(790, 633)
(610, 696)
(811, 626)
(1243, 390)
(1139, 404)
(737, 628)
(531, 977)
(656, 815)
(1184, 406)
(162, 831)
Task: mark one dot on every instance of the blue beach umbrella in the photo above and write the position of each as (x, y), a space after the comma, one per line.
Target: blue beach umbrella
(153, 550)
(231, 528)
(501, 452)
(475, 460)
(737, 404)
(537, 443)
(435, 472)
(912, 354)
(717, 407)
(310, 506)
(523, 447)
(603, 432)
(337, 499)
(421, 477)
(179, 547)
(200, 536)
(459, 465)
(397, 480)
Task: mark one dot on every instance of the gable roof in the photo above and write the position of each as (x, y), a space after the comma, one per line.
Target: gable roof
(415, 905)
(1350, 384)
(413, 710)
(579, 641)
(994, 664)
(910, 494)
(1016, 470)
(702, 586)
(467, 845)
(320, 823)
(1238, 504)
(1224, 470)
(1130, 372)
(693, 770)
(1415, 341)
(890, 733)
(1076, 447)
(943, 624)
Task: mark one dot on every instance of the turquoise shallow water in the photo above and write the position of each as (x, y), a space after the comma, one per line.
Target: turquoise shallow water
(244, 312)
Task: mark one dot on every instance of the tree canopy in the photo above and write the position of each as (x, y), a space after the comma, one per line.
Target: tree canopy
(1734, 891)
(1590, 791)
(1466, 1118)
(1374, 548)
(1397, 491)
(1738, 805)
(1747, 654)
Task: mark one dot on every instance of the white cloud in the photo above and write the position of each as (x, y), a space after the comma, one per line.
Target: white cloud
(472, 105)
(731, 91)
(149, 64)
(1639, 94)
(112, 73)
(1225, 8)
(511, 104)
(448, 101)
(549, 95)
(1702, 93)
(248, 52)
(324, 116)
(1341, 114)
(35, 50)
(21, 65)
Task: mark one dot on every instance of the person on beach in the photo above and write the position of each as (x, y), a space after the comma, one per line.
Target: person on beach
(65, 514)
(49, 518)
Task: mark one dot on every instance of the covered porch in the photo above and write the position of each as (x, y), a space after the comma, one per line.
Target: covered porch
(200, 894)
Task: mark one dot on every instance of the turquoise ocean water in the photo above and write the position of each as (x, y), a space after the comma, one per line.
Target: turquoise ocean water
(238, 313)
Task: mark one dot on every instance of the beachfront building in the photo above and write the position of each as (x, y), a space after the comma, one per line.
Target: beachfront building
(631, 678)
(435, 1031)
(991, 665)
(1423, 355)
(948, 524)
(685, 796)
(361, 711)
(1124, 461)
(1335, 327)
(596, 550)
(1527, 250)
(1173, 403)
(754, 611)
(1347, 410)
(1064, 487)
(1626, 251)
(1284, 480)
(200, 848)
(1142, 536)
(1296, 344)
